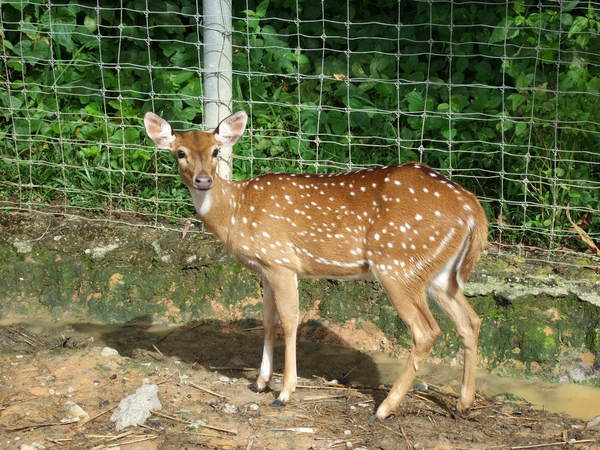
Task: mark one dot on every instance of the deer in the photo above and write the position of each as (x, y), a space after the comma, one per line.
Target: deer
(407, 226)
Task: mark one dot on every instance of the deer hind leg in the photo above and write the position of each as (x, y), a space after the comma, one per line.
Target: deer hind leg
(410, 302)
(269, 322)
(449, 296)
(446, 288)
(284, 291)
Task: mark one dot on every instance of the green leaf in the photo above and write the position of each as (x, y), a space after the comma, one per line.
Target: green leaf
(449, 134)
(521, 128)
(517, 100)
(415, 101)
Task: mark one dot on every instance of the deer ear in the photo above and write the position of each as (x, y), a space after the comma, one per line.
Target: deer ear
(230, 129)
(159, 130)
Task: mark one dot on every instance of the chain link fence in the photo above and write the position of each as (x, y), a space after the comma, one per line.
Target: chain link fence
(504, 97)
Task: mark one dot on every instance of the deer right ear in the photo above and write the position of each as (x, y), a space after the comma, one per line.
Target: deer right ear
(159, 130)
(231, 128)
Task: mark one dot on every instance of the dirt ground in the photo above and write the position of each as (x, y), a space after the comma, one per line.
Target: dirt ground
(204, 373)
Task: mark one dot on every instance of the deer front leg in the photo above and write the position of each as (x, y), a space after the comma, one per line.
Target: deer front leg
(269, 321)
(284, 289)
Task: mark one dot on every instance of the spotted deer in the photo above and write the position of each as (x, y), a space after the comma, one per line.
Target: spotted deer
(407, 226)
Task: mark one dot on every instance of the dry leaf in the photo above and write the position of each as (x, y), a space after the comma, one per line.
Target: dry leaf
(582, 234)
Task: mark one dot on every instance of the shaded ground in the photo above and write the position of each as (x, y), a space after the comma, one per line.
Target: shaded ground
(204, 372)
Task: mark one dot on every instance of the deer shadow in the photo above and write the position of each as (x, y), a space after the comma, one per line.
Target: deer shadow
(233, 347)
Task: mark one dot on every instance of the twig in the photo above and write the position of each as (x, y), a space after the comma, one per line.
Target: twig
(166, 416)
(240, 369)
(408, 443)
(39, 425)
(147, 438)
(194, 385)
(392, 430)
(224, 430)
(58, 441)
(320, 399)
(84, 422)
(187, 422)
(122, 435)
(295, 429)
(158, 350)
(584, 441)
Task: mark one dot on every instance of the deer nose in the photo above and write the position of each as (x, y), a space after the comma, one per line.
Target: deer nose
(203, 182)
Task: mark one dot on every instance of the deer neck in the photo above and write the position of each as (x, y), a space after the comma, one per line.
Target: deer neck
(216, 206)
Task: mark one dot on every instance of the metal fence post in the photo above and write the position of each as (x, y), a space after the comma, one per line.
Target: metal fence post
(217, 79)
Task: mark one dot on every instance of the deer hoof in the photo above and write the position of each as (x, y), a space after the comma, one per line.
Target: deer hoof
(277, 404)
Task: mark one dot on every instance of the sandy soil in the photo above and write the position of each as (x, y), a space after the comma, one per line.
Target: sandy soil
(204, 371)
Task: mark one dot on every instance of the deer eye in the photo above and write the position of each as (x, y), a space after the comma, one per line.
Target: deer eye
(215, 152)
(181, 154)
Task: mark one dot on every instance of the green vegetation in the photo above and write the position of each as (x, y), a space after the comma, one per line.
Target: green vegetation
(503, 98)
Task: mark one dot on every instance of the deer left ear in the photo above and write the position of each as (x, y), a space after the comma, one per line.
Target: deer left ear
(159, 130)
(230, 129)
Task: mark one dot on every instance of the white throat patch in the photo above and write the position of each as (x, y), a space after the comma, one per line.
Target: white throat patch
(202, 201)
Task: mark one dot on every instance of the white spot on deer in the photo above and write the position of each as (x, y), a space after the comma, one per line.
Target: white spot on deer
(418, 217)
(467, 208)
(265, 234)
(437, 213)
(411, 190)
(397, 183)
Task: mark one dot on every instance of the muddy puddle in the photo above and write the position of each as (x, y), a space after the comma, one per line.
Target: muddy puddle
(331, 361)
(576, 400)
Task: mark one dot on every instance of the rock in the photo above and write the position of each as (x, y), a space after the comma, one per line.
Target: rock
(420, 386)
(99, 253)
(196, 424)
(253, 407)
(595, 422)
(228, 408)
(135, 409)
(32, 446)
(107, 351)
(75, 412)
(224, 379)
(22, 246)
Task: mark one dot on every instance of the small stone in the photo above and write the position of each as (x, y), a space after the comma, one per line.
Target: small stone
(253, 407)
(75, 412)
(347, 432)
(32, 446)
(107, 351)
(228, 408)
(595, 422)
(135, 409)
(420, 386)
(196, 424)
(224, 379)
(22, 246)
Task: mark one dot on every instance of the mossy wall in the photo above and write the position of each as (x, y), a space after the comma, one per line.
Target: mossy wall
(55, 268)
